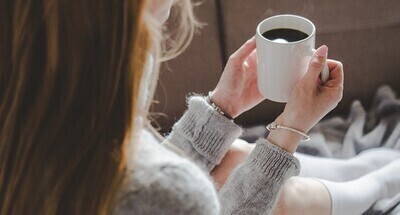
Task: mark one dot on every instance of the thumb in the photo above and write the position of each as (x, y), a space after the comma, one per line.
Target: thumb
(317, 63)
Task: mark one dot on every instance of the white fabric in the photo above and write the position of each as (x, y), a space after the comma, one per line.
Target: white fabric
(341, 170)
(355, 197)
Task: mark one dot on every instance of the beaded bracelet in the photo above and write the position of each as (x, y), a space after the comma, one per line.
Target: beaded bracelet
(274, 126)
(216, 108)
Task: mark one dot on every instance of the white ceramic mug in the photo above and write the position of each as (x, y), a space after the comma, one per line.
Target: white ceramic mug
(282, 64)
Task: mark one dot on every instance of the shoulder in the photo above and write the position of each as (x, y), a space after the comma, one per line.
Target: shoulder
(161, 182)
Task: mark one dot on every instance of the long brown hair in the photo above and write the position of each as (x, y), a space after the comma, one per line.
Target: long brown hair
(69, 76)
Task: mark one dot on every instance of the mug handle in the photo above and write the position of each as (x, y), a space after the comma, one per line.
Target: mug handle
(325, 71)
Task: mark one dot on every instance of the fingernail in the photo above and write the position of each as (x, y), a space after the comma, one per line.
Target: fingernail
(322, 51)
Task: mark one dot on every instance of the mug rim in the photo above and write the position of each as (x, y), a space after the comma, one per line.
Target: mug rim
(286, 15)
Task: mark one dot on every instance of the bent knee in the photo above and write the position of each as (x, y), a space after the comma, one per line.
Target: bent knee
(303, 196)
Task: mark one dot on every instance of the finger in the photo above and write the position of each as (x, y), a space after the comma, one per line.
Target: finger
(336, 77)
(253, 57)
(243, 52)
(251, 61)
(317, 63)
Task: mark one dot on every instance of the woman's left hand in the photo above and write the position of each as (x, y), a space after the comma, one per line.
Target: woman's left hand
(237, 90)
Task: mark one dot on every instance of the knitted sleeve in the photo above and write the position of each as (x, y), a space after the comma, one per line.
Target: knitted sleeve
(205, 136)
(254, 186)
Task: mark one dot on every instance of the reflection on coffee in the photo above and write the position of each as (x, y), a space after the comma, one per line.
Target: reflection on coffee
(284, 35)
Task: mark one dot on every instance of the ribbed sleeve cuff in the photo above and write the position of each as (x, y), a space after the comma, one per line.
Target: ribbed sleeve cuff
(274, 161)
(210, 133)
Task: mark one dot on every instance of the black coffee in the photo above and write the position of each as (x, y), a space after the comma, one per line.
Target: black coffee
(285, 35)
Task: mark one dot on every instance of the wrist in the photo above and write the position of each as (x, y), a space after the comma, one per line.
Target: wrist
(225, 106)
(296, 121)
(285, 139)
(217, 107)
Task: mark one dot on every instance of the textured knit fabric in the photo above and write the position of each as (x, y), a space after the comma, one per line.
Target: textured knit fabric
(204, 134)
(163, 182)
(338, 137)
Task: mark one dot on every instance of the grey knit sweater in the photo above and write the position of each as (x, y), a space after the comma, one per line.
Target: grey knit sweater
(165, 182)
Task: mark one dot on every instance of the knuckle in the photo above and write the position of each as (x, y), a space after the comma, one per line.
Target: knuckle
(316, 64)
(340, 97)
(249, 42)
(232, 57)
(340, 65)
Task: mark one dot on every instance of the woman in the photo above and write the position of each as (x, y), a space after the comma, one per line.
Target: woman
(76, 79)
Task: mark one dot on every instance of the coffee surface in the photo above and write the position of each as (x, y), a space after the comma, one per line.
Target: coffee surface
(285, 34)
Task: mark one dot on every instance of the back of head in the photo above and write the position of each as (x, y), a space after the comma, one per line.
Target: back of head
(69, 78)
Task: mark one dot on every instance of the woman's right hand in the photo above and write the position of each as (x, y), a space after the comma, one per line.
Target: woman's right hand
(310, 100)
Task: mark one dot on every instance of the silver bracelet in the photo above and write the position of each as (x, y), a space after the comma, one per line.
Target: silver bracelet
(274, 126)
(216, 108)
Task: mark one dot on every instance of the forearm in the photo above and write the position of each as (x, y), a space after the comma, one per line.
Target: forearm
(254, 186)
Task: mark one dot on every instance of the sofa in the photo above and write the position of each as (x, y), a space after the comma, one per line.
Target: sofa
(363, 34)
